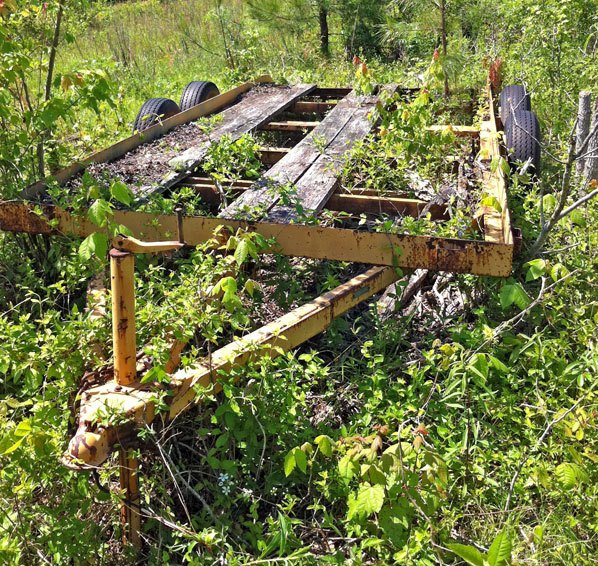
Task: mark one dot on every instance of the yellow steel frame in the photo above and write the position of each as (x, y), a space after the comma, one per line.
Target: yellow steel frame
(136, 404)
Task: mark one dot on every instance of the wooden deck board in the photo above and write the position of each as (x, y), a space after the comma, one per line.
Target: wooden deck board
(249, 114)
(290, 168)
(317, 185)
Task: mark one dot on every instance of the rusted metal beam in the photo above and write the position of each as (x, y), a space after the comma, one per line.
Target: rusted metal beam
(290, 126)
(272, 155)
(311, 107)
(318, 242)
(497, 219)
(96, 438)
(130, 510)
(458, 131)
(122, 278)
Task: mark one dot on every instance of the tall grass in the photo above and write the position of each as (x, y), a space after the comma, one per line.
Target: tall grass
(155, 47)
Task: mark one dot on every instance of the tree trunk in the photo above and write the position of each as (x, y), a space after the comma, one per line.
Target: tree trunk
(443, 38)
(591, 152)
(584, 114)
(324, 33)
(49, 79)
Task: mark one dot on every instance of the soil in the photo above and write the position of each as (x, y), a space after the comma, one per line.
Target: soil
(147, 165)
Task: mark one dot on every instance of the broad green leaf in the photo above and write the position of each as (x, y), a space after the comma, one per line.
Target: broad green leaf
(301, 460)
(370, 499)
(348, 467)
(99, 212)
(324, 444)
(249, 287)
(120, 192)
(289, 463)
(549, 202)
(94, 244)
(394, 521)
(570, 475)
(23, 428)
(514, 293)
(241, 252)
(499, 553)
(470, 554)
(536, 268)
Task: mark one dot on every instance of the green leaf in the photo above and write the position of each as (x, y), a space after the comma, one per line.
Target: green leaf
(155, 375)
(536, 268)
(570, 475)
(394, 521)
(249, 287)
(324, 444)
(94, 244)
(301, 460)
(470, 554)
(99, 212)
(514, 293)
(289, 463)
(370, 499)
(120, 192)
(23, 429)
(13, 447)
(492, 202)
(500, 550)
(549, 202)
(241, 252)
(348, 467)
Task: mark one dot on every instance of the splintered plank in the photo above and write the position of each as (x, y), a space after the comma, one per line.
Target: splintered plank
(316, 186)
(290, 168)
(247, 115)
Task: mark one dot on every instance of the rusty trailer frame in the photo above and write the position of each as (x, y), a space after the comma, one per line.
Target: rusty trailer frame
(136, 403)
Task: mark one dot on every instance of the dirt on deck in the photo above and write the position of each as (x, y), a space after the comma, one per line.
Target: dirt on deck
(146, 165)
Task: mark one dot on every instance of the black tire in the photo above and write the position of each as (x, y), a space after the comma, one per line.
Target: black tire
(513, 98)
(522, 138)
(153, 111)
(196, 92)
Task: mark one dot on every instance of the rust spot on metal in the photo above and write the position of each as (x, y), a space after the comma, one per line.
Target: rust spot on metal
(15, 217)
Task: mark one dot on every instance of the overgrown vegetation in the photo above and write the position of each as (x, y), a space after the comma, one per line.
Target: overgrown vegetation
(460, 428)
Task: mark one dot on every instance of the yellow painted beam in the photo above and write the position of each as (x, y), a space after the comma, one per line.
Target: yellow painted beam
(318, 242)
(95, 438)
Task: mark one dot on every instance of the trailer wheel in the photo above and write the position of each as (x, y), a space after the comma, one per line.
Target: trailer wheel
(513, 98)
(154, 110)
(522, 138)
(196, 92)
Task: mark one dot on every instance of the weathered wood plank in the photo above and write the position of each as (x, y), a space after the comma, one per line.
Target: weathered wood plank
(117, 150)
(290, 168)
(316, 186)
(247, 115)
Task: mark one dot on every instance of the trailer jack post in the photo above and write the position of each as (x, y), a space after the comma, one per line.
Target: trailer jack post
(130, 510)
(122, 273)
(122, 279)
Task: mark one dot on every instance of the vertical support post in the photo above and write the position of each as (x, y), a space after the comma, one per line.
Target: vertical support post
(122, 272)
(122, 279)
(130, 510)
